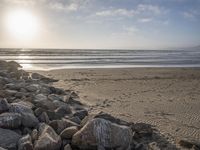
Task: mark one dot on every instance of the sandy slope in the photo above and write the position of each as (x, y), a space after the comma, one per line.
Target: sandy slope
(166, 98)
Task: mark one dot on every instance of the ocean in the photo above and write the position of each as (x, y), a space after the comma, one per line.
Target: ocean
(47, 59)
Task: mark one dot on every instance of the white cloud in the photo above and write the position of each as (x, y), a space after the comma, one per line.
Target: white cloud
(145, 20)
(131, 29)
(63, 7)
(140, 10)
(191, 14)
(116, 12)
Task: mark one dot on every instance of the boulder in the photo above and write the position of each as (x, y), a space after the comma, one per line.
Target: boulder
(153, 146)
(48, 139)
(103, 133)
(28, 118)
(67, 147)
(4, 106)
(44, 118)
(10, 120)
(34, 135)
(2, 148)
(142, 130)
(60, 125)
(53, 97)
(68, 132)
(81, 114)
(189, 143)
(32, 88)
(25, 143)
(63, 110)
(41, 100)
(9, 139)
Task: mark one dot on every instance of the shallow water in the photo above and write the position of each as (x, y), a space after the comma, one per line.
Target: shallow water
(46, 59)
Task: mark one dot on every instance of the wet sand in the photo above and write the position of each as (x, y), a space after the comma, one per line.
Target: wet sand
(167, 98)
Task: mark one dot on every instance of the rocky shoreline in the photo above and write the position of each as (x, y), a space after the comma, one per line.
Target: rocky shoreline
(37, 116)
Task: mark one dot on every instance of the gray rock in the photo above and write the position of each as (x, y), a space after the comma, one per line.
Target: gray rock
(4, 106)
(2, 148)
(153, 146)
(189, 143)
(26, 131)
(103, 133)
(53, 115)
(64, 110)
(8, 139)
(60, 125)
(81, 114)
(75, 119)
(53, 97)
(67, 147)
(68, 132)
(142, 130)
(41, 100)
(44, 118)
(32, 87)
(10, 120)
(48, 139)
(25, 143)
(28, 118)
(34, 135)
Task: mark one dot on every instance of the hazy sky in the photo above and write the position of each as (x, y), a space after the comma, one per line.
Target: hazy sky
(128, 24)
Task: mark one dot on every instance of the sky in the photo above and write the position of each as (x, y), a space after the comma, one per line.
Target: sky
(101, 24)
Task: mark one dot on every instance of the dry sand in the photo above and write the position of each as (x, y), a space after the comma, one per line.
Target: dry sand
(168, 98)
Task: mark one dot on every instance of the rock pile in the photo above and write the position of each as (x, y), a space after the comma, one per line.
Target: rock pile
(37, 116)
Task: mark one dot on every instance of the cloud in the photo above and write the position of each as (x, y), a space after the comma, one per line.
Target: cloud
(116, 12)
(63, 7)
(140, 10)
(145, 20)
(130, 29)
(191, 14)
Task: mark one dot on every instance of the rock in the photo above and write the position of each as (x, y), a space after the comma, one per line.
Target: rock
(67, 147)
(28, 118)
(41, 97)
(42, 101)
(45, 90)
(2, 148)
(48, 139)
(44, 118)
(142, 129)
(38, 111)
(8, 139)
(153, 146)
(32, 88)
(60, 125)
(103, 133)
(53, 115)
(68, 132)
(19, 95)
(10, 120)
(75, 119)
(189, 143)
(4, 106)
(111, 118)
(37, 76)
(63, 110)
(26, 131)
(81, 114)
(53, 97)
(25, 143)
(34, 135)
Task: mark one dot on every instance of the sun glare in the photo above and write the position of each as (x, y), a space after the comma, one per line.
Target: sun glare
(22, 24)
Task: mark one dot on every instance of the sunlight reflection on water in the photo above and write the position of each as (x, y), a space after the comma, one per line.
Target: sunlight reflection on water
(25, 61)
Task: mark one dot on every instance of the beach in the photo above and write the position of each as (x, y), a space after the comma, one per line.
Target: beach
(167, 98)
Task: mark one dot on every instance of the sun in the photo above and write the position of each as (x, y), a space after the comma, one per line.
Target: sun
(22, 24)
